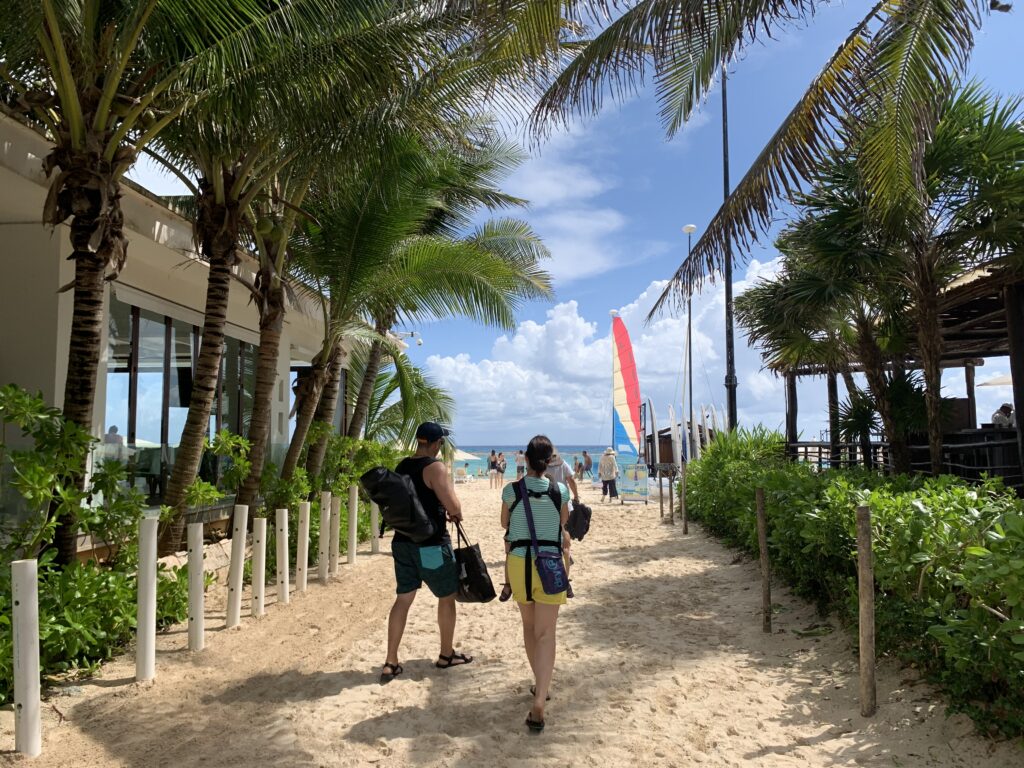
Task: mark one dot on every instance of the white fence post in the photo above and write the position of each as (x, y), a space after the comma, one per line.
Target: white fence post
(282, 556)
(302, 548)
(196, 589)
(335, 534)
(145, 617)
(238, 532)
(374, 528)
(325, 536)
(353, 522)
(259, 565)
(28, 728)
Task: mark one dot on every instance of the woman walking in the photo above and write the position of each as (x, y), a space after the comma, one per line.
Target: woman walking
(549, 509)
(492, 470)
(608, 470)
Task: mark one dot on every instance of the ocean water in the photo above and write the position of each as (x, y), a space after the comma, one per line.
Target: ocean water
(567, 452)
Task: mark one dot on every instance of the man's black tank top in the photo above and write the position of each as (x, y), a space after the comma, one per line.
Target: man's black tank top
(413, 467)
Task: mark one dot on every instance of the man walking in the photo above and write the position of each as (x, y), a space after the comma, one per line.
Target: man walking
(559, 471)
(588, 465)
(431, 561)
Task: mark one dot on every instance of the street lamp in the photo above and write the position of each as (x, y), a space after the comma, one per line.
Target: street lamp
(730, 352)
(689, 229)
(408, 335)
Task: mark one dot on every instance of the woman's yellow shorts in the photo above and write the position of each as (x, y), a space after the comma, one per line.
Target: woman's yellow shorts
(517, 578)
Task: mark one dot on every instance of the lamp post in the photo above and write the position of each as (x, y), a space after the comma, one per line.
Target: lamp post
(689, 229)
(730, 352)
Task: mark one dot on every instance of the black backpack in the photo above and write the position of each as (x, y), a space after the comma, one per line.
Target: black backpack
(400, 506)
(552, 493)
(578, 523)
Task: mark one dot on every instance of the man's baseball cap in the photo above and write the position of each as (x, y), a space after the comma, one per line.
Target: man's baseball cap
(430, 432)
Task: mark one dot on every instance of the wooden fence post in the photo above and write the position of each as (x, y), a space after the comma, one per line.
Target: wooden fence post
(353, 522)
(766, 573)
(866, 623)
(682, 501)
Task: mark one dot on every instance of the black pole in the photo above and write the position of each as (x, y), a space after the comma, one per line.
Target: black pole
(689, 345)
(1013, 301)
(730, 352)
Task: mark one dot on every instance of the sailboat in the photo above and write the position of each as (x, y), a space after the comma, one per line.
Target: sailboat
(626, 414)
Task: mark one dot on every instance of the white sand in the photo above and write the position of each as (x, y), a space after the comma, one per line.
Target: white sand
(661, 662)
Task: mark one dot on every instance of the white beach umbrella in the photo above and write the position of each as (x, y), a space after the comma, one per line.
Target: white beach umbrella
(998, 381)
(461, 455)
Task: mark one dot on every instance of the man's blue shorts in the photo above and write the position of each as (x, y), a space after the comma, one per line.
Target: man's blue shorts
(433, 564)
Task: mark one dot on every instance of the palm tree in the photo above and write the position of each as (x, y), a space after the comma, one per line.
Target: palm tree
(403, 397)
(103, 79)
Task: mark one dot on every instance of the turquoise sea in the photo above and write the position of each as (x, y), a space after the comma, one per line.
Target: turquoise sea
(568, 453)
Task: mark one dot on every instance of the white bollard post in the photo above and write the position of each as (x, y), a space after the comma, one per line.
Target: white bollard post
(196, 589)
(374, 528)
(325, 536)
(145, 617)
(238, 532)
(28, 728)
(282, 556)
(302, 548)
(353, 522)
(259, 566)
(335, 534)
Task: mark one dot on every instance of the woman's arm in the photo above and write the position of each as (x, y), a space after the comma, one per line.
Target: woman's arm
(505, 515)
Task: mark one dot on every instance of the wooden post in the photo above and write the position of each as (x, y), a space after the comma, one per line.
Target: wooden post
(28, 728)
(1013, 300)
(661, 494)
(353, 522)
(283, 566)
(866, 599)
(766, 574)
(145, 617)
(671, 500)
(682, 501)
(791, 414)
(259, 565)
(239, 526)
(302, 549)
(972, 402)
(196, 589)
(833, 420)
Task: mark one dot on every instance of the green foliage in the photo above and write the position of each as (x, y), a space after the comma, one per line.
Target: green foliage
(949, 561)
(234, 451)
(86, 610)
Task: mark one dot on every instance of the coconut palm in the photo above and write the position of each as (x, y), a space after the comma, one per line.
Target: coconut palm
(103, 79)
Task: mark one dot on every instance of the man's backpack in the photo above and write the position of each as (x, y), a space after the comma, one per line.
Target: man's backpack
(400, 506)
(578, 523)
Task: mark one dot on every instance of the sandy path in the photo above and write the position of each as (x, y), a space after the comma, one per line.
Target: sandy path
(661, 662)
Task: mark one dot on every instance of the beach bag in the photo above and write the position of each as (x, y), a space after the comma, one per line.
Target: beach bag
(400, 506)
(550, 565)
(578, 523)
(475, 585)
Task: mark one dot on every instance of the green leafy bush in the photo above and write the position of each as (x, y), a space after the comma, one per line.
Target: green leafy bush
(949, 560)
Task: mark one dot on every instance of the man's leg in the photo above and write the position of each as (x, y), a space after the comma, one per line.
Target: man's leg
(396, 624)
(446, 615)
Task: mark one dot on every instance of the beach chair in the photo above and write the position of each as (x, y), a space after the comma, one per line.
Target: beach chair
(461, 476)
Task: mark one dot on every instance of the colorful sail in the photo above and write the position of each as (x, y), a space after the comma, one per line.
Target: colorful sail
(625, 394)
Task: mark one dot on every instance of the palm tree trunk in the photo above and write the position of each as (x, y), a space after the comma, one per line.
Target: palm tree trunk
(309, 405)
(271, 325)
(325, 411)
(874, 371)
(930, 342)
(80, 385)
(217, 227)
(362, 406)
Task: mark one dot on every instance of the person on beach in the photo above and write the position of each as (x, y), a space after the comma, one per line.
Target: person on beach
(502, 466)
(559, 471)
(608, 471)
(492, 470)
(588, 465)
(538, 610)
(520, 465)
(431, 561)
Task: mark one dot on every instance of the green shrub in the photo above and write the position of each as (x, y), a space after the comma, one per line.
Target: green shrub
(948, 558)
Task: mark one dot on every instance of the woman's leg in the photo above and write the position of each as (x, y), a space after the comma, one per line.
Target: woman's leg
(526, 610)
(545, 618)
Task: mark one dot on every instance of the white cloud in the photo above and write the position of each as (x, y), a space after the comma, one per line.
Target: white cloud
(555, 376)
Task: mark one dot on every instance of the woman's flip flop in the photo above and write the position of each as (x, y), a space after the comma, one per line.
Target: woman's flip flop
(535, 726)
(506, 592)
(387, 677)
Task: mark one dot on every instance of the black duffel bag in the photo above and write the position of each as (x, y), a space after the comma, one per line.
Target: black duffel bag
(400, 507)
(475, 584)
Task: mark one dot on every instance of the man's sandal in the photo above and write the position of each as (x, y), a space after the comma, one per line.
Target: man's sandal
(455, 660)
(387, 677)
(506, 592)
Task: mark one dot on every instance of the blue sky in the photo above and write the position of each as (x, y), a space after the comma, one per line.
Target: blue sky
(609, 198)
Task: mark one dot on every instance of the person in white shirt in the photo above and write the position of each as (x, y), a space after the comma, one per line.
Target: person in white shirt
(560, 472)
(1004, 417)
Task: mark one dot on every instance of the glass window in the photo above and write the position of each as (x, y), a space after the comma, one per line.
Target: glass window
(150, 403)
(248, 385)
(119, 348)
(230, 385)
(180, 385)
